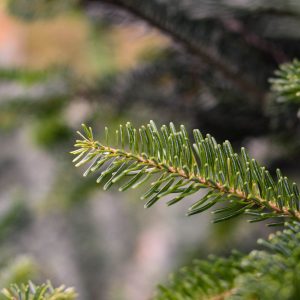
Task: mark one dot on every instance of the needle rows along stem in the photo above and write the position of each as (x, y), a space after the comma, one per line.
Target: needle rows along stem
(181, 167)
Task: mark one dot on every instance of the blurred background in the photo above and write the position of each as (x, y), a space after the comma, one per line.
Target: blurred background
(205, 64)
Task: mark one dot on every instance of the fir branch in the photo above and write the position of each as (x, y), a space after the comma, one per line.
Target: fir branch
(212, 279)
(286, 85)
(31, 291)
(254, 40)
(185, 167)
(252, 276)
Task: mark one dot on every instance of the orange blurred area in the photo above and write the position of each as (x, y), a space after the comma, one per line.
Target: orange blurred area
(66, 41)
(11, 41)
(132, 41)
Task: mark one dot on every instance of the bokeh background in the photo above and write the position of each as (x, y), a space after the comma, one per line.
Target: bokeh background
(63, 63)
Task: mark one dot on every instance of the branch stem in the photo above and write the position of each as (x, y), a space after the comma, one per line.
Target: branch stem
(192, 177)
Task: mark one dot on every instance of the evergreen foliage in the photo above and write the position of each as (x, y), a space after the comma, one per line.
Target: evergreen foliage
(272, 273)
(186, 166)
(287, 84)
(178, 165)
(228, 38)
(31, 291)
(31, 10)
(183, 166)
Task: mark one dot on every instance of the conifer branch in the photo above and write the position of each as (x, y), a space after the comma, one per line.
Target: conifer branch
(31, 291)
(185, 167)
(156, 14)
(252, 276)
(286, 84)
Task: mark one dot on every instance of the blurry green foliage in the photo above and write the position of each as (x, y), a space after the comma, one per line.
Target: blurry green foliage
(19, 270)
(32, 9)
(24, 76)
(16, 217)
(51, 131)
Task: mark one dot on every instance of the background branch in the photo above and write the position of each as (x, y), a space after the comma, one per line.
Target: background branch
(159, 16)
